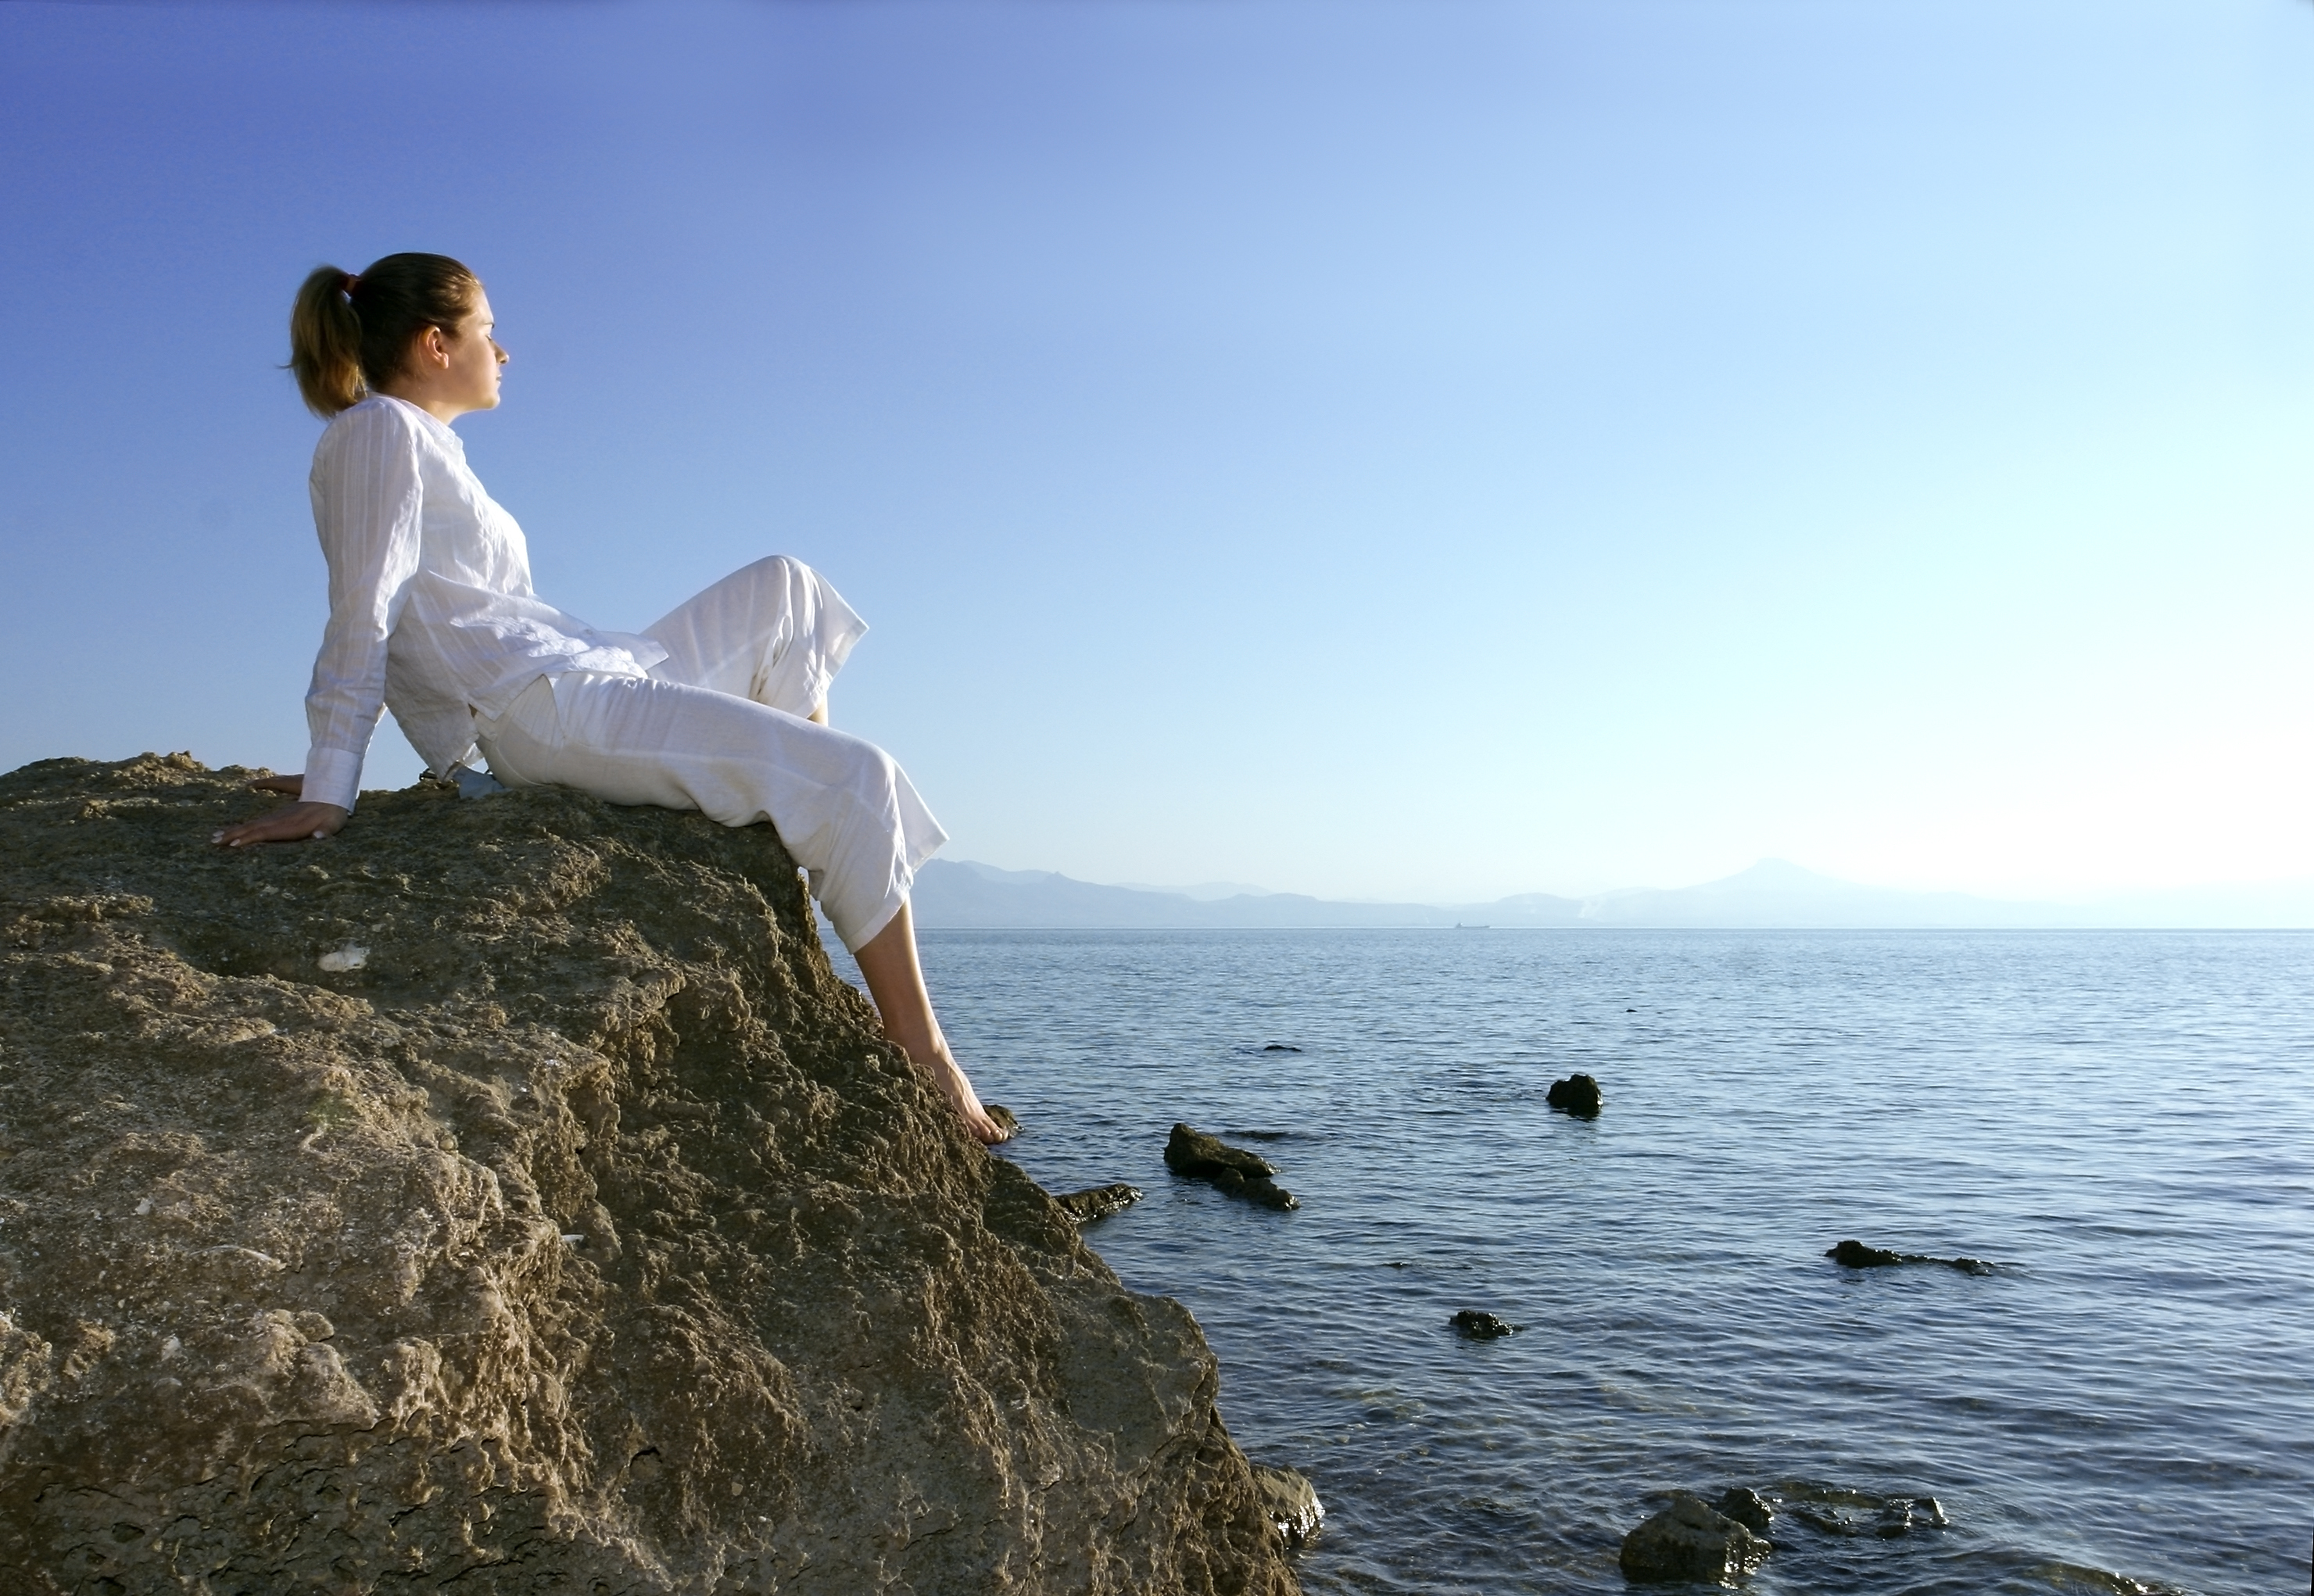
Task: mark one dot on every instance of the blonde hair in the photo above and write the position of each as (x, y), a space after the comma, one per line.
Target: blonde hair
(348, 334)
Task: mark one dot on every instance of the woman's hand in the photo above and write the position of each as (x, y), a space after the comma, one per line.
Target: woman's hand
(297, 823)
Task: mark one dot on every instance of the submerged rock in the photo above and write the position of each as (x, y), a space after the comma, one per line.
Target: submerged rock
(1837, 1510)
(1292, 1502)
(1855, 1255)
(585, 1236)
(1482, 1327)
(1098, 1201)
(1747, 1508)
(1281, 1048)
(1231, 1169)
(1577, 1095)
(1905, 1514)
(1688, 1541)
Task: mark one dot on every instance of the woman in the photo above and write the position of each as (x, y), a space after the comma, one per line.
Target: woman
(721, 707)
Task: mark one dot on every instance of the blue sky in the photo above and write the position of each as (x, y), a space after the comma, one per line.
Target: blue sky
(1421, 450)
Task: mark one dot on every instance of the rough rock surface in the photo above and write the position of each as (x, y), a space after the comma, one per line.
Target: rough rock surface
(1688, 1541)
(1855, 1255)
(1232, 1169)
(581, 1235)
(1577, 1095)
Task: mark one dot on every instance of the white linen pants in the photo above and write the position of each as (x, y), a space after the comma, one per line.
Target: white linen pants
(720, 727)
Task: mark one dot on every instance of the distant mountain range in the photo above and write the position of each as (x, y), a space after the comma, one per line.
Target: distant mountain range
(1771, 894)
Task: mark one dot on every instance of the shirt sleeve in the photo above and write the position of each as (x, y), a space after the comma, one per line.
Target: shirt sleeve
(367, 495)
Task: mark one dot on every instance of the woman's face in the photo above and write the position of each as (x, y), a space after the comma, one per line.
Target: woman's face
(471, 382)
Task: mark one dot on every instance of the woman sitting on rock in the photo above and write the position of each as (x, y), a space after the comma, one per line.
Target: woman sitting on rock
(721, 707)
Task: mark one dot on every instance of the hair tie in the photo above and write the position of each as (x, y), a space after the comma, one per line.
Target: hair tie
(349, 289)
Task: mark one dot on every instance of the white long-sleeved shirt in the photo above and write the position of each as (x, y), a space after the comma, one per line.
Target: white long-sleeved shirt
(431, 612)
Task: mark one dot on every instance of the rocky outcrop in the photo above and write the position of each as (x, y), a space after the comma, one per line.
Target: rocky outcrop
(1471, 1323)
(1577, 1095)
(1855, 1255)
(1688, 1541)
(580, 1235)
(1233, 1170)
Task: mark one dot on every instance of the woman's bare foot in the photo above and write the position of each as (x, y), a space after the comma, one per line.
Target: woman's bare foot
(896, 981)
(957, 1089)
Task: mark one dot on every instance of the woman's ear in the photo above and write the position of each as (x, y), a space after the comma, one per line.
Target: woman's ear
(434, 349)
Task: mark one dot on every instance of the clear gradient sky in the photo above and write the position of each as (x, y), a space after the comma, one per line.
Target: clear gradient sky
(1424, 450)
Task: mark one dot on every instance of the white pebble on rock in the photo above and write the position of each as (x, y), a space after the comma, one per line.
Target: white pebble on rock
(353, 956)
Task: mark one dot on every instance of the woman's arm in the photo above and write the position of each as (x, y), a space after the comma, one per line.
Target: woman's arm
(366, 498)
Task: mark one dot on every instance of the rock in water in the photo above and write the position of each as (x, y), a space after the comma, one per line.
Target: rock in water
(1232, 1170)
(1688, 1541)
(1006, 1120)
(586, 1236)
(1098, 1201)
(1482, 1327)
(1292, 1502)
(1855, 1255)
(1747, 1508)
(1577, 1095)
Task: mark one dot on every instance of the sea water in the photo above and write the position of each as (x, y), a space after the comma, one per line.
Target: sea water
(2122, 1123)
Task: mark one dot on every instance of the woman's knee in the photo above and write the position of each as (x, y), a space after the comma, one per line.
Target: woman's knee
(783, 571)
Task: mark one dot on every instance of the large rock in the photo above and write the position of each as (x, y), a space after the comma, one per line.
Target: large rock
(1688, 1541)
(507, 1195)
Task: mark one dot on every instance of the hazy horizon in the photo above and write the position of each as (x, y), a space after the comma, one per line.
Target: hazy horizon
(1376, 450)
(2297, 893)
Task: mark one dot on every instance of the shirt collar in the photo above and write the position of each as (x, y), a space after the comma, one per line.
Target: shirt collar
(440, 430)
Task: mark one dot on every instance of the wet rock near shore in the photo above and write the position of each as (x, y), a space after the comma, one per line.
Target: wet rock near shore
(1196, 1156)
(1747, 1507)
(1855, 1255)
(1577, 1095)
(581, 1235)
(1097, 1201)
(1292, 1502)
(1855, 1513)
(1006, 1120)
(1688, 1540)
(1475, 1325)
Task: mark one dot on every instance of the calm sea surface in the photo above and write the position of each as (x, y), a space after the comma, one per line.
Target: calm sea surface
(2124, 1121)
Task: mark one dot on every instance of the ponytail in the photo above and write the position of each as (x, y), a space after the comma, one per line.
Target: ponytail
(349, 335)
(325, 343)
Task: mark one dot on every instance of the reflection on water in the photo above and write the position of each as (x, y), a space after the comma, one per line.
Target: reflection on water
(2124, 1121)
